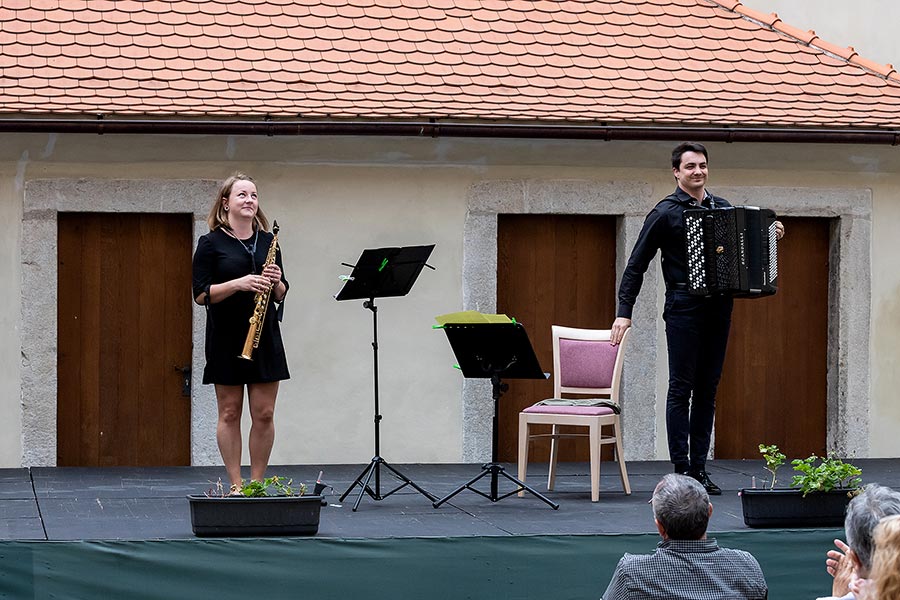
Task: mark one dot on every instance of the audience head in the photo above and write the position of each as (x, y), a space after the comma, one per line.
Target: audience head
(681, 508)
(863, 514)
(885, 574)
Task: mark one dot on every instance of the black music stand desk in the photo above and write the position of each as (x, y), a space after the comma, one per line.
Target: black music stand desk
(382, 273)
(494, 351)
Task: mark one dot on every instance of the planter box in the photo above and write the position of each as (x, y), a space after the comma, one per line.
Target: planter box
(786, 507)
(234, 516)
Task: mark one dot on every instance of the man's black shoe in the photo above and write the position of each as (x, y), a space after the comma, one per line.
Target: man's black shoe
(703, 477)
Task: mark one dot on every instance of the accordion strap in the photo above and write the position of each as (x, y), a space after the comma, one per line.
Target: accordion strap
(712, 200)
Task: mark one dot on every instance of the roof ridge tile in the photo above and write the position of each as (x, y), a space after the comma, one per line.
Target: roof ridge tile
(885, 70)
(765, 18)
(810, 38)
(847, 53)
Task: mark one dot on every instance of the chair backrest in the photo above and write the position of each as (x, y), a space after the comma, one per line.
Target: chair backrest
(584, 362)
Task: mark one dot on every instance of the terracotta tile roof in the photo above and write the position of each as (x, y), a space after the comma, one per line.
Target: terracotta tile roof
(667, 62)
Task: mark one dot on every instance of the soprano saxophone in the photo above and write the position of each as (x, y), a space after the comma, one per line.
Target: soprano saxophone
(260, 303)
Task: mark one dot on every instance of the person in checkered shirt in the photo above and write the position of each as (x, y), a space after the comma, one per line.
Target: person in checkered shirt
(686, 565)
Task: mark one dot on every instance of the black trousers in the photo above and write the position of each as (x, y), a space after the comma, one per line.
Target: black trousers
(696, 335)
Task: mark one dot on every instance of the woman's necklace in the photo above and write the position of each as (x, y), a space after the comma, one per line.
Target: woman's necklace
(250, 248)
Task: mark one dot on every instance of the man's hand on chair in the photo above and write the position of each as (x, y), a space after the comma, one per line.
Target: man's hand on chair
(619, 326)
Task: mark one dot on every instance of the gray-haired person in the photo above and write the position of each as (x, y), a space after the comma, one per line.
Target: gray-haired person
(851, 562)
(686, 565)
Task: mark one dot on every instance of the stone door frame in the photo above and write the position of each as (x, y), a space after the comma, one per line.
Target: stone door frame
(43, 201)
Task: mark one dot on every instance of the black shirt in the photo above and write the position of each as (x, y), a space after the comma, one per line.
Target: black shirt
(663, 231)
(220, 258)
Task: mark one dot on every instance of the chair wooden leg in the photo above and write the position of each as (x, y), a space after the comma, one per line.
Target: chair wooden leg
(523, 449)
(621, 458)
(554, 451)
(594, 440)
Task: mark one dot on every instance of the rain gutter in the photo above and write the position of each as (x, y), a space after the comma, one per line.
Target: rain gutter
(436, 129)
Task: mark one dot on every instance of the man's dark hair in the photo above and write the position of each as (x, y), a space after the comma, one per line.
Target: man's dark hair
(681, 506)
(680, 149)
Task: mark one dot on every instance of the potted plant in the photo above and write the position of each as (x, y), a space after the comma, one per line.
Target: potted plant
(261, 508)
(818, 495)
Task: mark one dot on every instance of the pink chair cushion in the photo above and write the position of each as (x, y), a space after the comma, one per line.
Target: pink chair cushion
(591, 411)
(586, 364)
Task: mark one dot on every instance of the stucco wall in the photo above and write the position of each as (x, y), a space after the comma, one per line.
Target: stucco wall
(335, 196)
(10, 352)
(885, 417)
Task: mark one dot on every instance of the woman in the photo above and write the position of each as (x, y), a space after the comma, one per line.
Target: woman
(228, 273)
(884, 581)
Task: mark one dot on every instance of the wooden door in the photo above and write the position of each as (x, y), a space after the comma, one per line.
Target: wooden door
(774, 384)
(124, 325)
(551, 270)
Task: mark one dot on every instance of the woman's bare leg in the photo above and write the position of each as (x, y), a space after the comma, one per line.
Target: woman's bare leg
(262, 429)
(228, 429)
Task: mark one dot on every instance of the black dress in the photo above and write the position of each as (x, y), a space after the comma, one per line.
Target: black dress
(220, 258)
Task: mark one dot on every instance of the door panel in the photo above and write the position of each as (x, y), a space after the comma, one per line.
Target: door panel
(124, 324)
(773, 388)
(551, 270)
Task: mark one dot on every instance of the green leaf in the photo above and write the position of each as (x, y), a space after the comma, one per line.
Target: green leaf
(774, 459)
(830, 473)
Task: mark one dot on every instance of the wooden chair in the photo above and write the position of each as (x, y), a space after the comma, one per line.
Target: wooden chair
(584, 363)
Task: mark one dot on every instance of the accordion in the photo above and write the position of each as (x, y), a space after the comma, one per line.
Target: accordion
(731, 251)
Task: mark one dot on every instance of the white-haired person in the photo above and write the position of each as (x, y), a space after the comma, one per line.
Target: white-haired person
(851, 563)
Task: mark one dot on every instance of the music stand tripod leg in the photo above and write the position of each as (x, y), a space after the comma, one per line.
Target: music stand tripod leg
(406, 481)
(494, 470)
(375, 494)
(527, 488)
(363, 483)
(467, 485)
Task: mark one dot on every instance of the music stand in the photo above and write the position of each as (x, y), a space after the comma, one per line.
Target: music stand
(494, 351)
(381, 273)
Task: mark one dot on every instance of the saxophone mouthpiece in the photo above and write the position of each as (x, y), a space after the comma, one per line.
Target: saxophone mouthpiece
(275, 227)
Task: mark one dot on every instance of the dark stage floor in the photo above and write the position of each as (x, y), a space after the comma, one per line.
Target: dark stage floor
(149, 503)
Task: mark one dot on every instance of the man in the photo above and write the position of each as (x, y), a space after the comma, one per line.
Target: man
(851, 562)
(696, 326)
(686, 565)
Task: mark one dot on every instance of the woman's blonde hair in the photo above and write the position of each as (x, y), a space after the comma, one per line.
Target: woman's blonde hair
(218, 216)
(885, 573)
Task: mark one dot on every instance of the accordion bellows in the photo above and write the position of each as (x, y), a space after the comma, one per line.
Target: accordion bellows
(731, 251)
